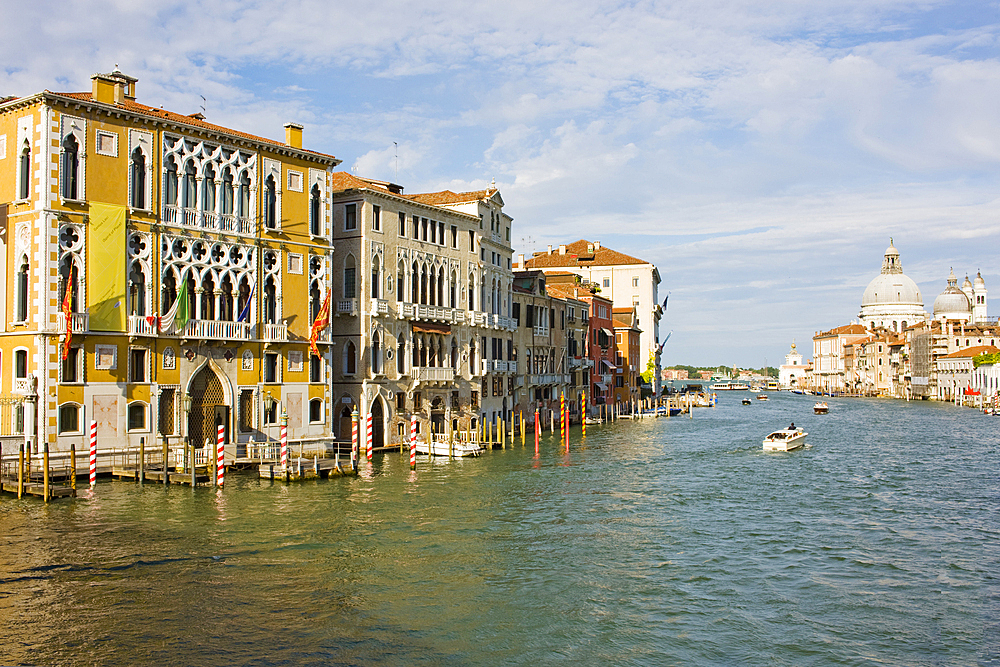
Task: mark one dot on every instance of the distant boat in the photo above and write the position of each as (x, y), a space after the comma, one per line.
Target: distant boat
(821, 408)
(730, 386)
(762, 397)
(785, 440)
(747, 401)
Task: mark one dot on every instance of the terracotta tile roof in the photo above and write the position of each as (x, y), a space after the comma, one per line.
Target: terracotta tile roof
(847, 329)
(181, 119)
(341, 180)
(577, 255)
(972, 351)
(566, 291)
(449, 197)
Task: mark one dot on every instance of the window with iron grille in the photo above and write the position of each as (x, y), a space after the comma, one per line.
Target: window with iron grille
(246, 410)
(166, 421)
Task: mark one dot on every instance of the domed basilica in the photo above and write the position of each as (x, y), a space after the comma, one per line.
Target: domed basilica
(892, 300)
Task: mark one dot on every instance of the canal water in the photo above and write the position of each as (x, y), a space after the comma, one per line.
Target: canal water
(656, 542)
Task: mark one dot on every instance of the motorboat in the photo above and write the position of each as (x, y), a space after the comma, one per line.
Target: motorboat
(821, 408)
(747, 401)
(443, 448)
(590, 421)
(785, 440)
(762, 397)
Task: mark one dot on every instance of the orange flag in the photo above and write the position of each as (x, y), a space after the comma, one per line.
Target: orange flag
(67, 308)
(320, 323)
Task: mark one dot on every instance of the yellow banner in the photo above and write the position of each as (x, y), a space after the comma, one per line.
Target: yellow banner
(106, 268)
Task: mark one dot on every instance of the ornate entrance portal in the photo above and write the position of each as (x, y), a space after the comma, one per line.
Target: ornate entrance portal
(208, 408)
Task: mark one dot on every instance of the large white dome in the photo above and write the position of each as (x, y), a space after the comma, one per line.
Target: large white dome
(892, 285)
(890, 288)
(892, 300)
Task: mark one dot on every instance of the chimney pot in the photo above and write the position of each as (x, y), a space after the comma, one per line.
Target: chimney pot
(597, 245)
(562, 250)
(520, 260)
(293, 135)
(550, 249)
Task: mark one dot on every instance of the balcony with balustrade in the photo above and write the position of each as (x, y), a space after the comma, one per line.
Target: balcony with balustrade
(140, 325)
(499, 366)
(542, 379)
(272, 332)
(418, 311)
(216, 330)
(79, 321)
(426, 374)
(229, 223)
(379, 307)
(347, 307)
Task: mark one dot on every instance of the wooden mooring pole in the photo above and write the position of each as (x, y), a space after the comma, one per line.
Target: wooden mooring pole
(72, 467)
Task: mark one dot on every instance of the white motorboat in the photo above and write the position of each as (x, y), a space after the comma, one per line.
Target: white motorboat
(439, 448)
(785, 440)
(821, 408)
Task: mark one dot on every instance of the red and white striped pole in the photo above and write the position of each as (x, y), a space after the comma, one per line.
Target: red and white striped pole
(284, 445)
(413, 441)
(354, 440)
(583, 413)
(220, 457)
(368, 437)
(93, 453)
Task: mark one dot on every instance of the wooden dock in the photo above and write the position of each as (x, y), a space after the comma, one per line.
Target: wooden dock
(155, 475)
(302, 469)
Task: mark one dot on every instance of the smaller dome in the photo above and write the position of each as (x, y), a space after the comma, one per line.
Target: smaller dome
(966, 282)
(980, 283)
(952, 303)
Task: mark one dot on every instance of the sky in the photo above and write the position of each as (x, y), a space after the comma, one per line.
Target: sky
(761, 155)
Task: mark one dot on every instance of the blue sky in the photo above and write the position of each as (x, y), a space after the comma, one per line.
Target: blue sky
(760, 154)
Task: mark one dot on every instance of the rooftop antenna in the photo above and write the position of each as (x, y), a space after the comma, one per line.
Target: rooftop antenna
(396, 151)
(203, 109)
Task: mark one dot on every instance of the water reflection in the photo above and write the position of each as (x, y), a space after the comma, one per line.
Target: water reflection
(653, 542)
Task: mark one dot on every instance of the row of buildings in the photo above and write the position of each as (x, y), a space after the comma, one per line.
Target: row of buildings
(897, 349)
(164, 276)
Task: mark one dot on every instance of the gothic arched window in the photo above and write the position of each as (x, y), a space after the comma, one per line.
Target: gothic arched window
(70, 168)
(137, 169)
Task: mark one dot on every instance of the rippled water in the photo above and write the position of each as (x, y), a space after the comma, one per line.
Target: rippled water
(657, 542)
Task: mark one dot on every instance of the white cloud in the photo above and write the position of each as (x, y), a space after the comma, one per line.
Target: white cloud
(760, 153)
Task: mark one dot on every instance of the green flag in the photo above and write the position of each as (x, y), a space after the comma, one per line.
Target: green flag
(174, 319)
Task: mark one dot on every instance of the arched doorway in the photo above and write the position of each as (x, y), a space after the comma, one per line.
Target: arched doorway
(378, 424)
(437, 415)
(208, 408)
(345, 424)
